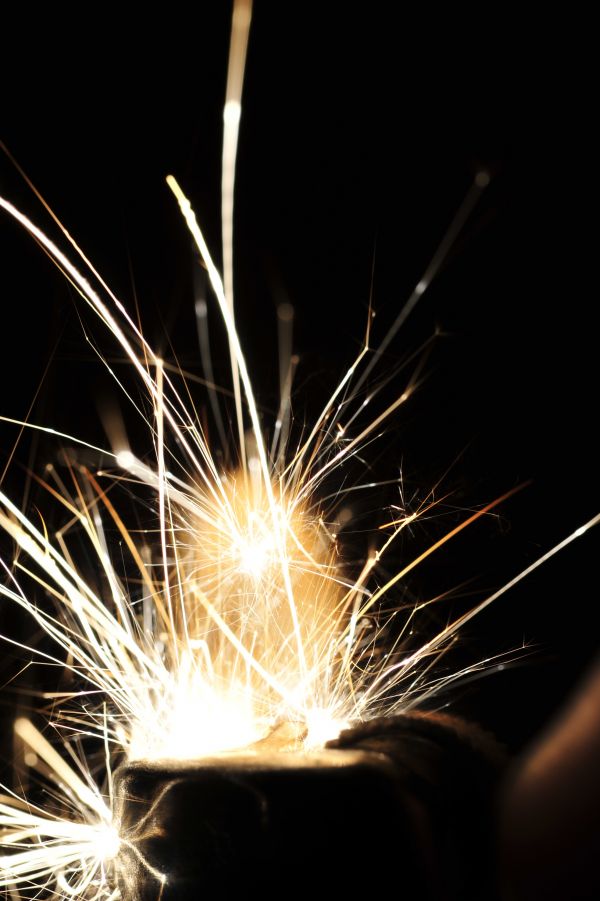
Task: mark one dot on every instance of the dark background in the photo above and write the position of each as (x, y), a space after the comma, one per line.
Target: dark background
(359, 140)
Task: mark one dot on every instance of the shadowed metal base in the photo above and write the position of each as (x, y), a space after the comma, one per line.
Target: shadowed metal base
(370, 812)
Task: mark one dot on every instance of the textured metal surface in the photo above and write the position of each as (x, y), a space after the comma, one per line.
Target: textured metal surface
(305, 824)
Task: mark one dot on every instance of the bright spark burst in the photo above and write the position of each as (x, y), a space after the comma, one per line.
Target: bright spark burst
(238, 619)
(244, 619)
(44, 850)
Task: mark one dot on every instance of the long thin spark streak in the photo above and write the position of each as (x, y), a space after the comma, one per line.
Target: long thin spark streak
(232, 112)
(26, 731)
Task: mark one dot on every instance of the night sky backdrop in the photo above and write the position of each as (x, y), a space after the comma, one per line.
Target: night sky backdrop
(358, 142)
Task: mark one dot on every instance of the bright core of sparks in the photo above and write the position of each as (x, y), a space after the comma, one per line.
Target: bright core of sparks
(322, 726)
(107, 842)
(255, 549)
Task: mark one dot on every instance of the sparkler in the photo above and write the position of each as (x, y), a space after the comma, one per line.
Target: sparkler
(238, 630)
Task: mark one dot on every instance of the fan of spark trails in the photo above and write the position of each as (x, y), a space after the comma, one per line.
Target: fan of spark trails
(236, 628)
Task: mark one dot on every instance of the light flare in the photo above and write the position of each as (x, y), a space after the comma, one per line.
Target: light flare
(41, 850)
(230, 622)
(238, 618)
(322, 725)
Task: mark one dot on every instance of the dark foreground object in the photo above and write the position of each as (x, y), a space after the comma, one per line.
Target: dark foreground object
(402, 802)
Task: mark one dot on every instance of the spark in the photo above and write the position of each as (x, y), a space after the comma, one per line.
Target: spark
(236, 616)
(40, 850)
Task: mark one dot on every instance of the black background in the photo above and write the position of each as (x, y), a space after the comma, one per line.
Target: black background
(359, 137)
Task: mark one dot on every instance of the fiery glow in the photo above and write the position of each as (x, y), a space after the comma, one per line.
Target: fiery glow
(237, 618)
